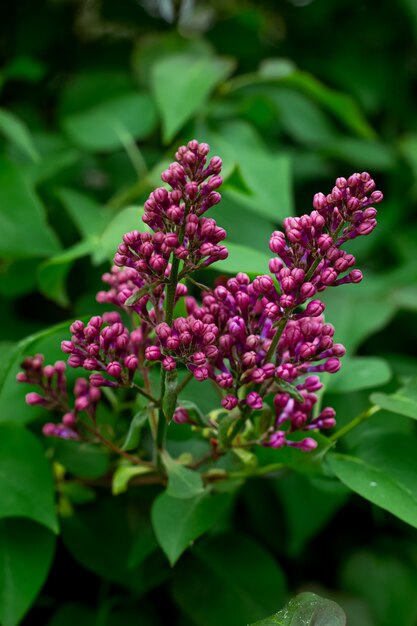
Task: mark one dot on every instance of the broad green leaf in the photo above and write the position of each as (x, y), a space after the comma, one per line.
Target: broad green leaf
(307, 609)
(242, 225)
(26, 68)
(341, 105)
(182, 482)
(86, 460)
(88, 216)
(301, 118)
(359, 372)
(181, 84)
(403, 401)
(18, 134)
(309, 505)
(243, 259)
(387, 582)
(53, 272)
(266, 175)
(252, 583)
(123, 222)
(133, 435)
(123, 474)
(362, 153)
(26, 553)
(363, 310)
(25, 478)
(177, 522)
(106, 126)
(24, 232)
(383, 472)
(105, 614)
(104, 523)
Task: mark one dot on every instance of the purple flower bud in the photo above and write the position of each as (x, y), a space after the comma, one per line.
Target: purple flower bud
(249, 359)
(201, 373)
(258, 376)
(277, 439)
(254, 400)
(169, 364)
(307, 444)
(224, 380)
(89, 364)
(67, 347)
(69, 419)
(199, 358)
(315, 308)
(229, 402)
(332, 365)
(181, 416)
(319, 201)
(75, 360)
(48, 429)
(163, 331)
(131, 362)
(35, 399)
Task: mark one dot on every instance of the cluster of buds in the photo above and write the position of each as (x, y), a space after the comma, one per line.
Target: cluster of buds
(262, 341)
(189, 341)
(309, 255)
(52, 383)
(105, 345)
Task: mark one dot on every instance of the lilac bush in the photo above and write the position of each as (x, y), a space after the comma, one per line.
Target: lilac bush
(261, 341)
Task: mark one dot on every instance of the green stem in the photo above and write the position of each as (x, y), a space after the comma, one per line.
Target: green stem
(145, 394)
(355, 422)
(274, 342)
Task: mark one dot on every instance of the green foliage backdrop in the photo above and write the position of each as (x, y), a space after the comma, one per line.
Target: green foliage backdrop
(95, 96)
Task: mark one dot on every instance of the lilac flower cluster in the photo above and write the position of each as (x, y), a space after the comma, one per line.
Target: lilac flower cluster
(52, 383)
(262, 342)
(175, 216)
(309, 255)
(190, 341)
(105, 345)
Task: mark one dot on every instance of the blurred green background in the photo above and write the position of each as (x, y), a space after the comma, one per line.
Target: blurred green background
(95, 97)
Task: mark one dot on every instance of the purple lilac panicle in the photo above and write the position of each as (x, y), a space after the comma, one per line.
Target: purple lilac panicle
(255, 339)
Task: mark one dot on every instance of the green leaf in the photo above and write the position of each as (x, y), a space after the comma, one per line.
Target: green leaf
(53, 272)
(301, 118)
(366, 574)
(178, 522)
(383, 472)
(341, 105)
(363, 310)
(123, 474)
(181, 84)
(169, 403)
(100, 538)
(307, 609)
(266, 175)
(182, 482)
(243, 259)
(359, 372)
(133, 435)
(19, 209)
(18, 134)
(86, 460)
(251, 581)
(137, 295)
(25, 478)
(309, 505)
(104, 127)
(88, 216)
(403, 401)
(125, 221)
(26, 554)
